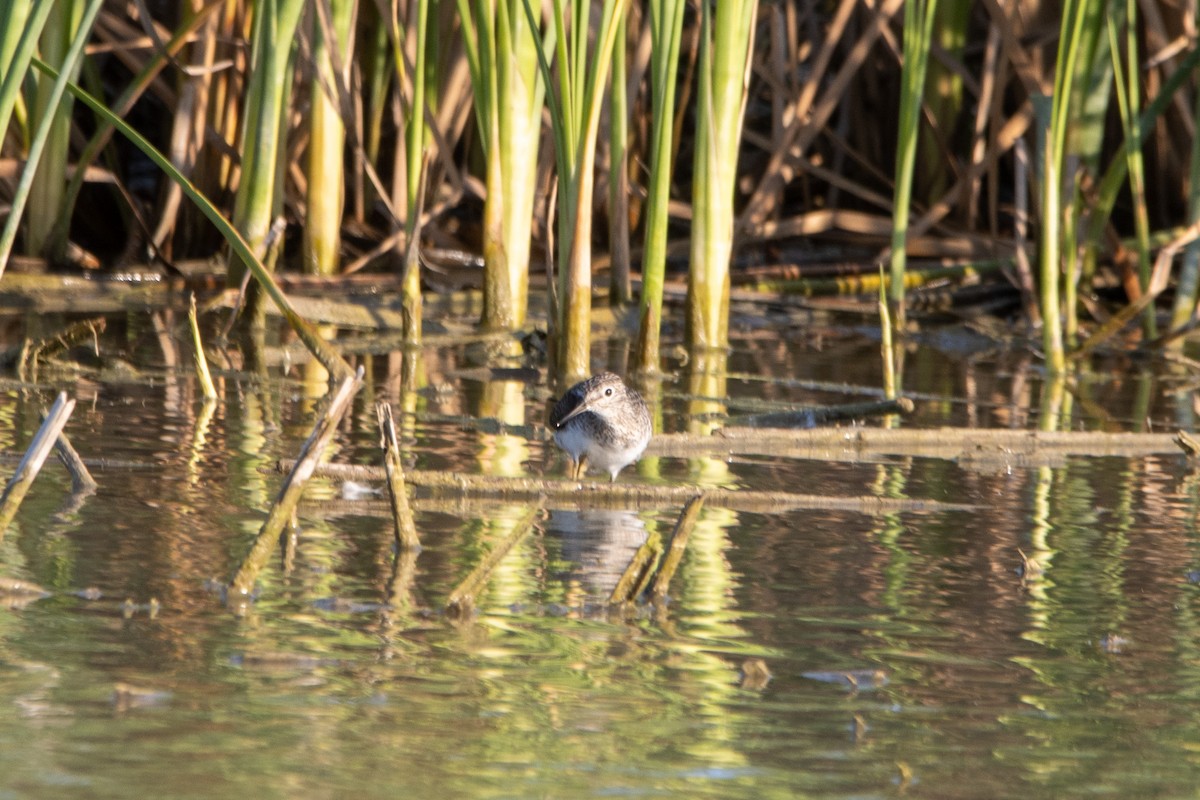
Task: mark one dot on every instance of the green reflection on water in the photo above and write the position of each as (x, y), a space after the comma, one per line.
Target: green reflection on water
(971, 680)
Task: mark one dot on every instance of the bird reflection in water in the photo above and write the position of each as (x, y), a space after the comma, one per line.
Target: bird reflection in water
(599, 543)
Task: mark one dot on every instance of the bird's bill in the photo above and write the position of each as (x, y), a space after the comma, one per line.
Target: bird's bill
(576, 411)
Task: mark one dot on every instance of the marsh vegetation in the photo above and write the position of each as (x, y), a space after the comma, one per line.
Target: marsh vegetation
(990, 157)
(329, 547)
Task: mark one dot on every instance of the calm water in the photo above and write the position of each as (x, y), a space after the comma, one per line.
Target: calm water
(133, 678)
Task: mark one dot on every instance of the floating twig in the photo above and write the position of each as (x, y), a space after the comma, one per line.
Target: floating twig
(1015, 448)
(978, 447)
(405, 530)
(819, 415)
(35, 457)
(463, 597)
(1159, 279)
(293, 486)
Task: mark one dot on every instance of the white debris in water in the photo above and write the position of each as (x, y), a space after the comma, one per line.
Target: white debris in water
(353, 490)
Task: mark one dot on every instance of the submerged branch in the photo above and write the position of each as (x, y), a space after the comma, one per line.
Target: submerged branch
(63, 340)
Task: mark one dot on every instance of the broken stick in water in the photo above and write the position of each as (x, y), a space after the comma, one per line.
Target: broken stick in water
(679, 539)
(33, 352)
(405, 530)
(293, 485)
(81, 477)
(34, 458)
(637, 575)
(462, 599)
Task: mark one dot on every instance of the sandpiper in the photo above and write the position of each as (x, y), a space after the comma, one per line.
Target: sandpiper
(601, 422)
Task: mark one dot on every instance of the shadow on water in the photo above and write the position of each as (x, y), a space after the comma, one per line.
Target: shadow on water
(1029, 631)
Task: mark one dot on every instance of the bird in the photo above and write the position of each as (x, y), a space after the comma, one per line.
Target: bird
(603, 423)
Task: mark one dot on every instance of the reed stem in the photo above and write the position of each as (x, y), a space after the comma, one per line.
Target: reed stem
(919, 16)
(726, 34)
(666, 27)
(325, 198)
(260, 192)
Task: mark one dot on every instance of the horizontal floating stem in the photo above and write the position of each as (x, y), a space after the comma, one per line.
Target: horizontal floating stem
(1015, 447)
(602, 494)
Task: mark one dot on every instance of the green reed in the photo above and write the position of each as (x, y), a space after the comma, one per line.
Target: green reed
(415, 134)
(264, 134)
(919, 16)
(1054, 164)
(1129, 104)
(575, 106)
(620, 291)
(43, 179)
(332, 54)
(726, 34)
(241, 249)
(666, 27)
(502, 52)
(64, 30)
(244, 116)
(21, 24)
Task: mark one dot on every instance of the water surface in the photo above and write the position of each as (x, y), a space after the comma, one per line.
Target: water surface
(908, 653)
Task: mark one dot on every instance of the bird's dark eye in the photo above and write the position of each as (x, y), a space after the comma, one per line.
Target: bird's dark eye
(608, 392)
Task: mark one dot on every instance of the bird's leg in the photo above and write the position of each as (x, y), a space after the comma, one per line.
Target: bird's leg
(580, 468)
